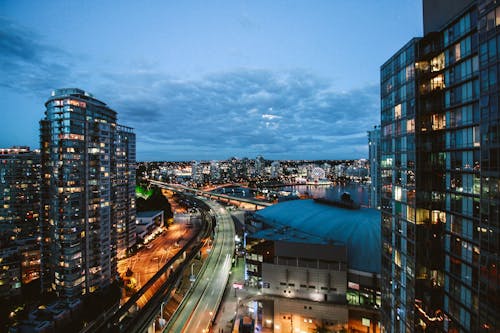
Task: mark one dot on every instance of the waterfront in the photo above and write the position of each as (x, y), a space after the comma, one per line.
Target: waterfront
(359, 192)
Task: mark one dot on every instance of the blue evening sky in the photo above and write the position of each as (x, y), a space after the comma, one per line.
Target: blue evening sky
(208, 79)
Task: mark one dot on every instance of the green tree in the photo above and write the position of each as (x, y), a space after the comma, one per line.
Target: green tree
(157, 201)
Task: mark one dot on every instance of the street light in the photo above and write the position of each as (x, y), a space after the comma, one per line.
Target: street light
(157, 259)
(192, 278)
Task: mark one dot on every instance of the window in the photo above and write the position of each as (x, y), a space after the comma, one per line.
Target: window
(438, 121)
(397, 111)
(457, 51)
(437, 63)
(437, 82)
(410, 126)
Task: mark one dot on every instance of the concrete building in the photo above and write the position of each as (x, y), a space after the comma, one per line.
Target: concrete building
(125, 190)
(19, 219)
(148, 223)
(441, 172)
(316, 264)
(85, 179)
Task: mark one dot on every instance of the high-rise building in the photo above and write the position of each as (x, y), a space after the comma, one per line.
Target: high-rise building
(124, 201)
(374, 158)
(19, 219)
(260, 164)
(440, 169)
(275, 169)
(88, 172)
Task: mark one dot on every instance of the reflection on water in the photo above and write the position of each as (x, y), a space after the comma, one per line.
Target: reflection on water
(359, 193)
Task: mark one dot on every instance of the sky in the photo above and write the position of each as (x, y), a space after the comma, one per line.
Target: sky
(208, 80)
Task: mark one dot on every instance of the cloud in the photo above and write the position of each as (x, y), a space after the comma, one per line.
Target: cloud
(271, 116)
(29, 65)
(243, 112)
(229, 114)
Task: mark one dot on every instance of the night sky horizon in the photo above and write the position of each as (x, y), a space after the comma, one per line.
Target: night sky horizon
(290, 81)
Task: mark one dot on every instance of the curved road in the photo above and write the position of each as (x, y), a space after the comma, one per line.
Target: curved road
(200, 305)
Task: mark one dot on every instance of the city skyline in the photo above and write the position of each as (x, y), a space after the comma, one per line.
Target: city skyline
(201, 82)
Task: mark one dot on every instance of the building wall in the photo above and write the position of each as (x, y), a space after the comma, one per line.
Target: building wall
(19, 219)
(79, 193)
(293, 315)
(125, 208)
(485, 299)
(374, 158)
(398, 183)
(438, 13)
(322, 285)
(446, 238)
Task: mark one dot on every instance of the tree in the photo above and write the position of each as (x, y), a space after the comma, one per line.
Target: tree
(156, 201)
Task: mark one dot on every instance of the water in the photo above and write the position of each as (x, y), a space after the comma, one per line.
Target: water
(359, 193)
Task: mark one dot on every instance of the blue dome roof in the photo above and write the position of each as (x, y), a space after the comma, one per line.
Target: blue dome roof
(312, 222)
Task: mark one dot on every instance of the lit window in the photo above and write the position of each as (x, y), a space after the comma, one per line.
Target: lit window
(410, 125)
(457, 52)
(437, 63)
(438, 121)
(397, 111)
(397, 193)
(437, 82)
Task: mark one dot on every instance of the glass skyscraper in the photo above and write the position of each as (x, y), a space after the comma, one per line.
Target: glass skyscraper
(88, 168)
(440, 169)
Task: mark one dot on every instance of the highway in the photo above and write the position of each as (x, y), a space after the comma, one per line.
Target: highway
(256, 204)
(200, 305)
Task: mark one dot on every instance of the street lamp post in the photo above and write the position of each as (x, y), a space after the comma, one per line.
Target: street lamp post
(192, 277)
(157, 263)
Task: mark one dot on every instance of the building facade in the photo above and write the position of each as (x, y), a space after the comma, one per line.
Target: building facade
(316, 264)
(374, 158)
(440, 172)
(19, 219)
(87, 172)
(125, 190)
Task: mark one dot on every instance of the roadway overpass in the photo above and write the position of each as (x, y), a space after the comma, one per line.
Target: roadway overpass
(240, 202)
(198, 308)
(139, 313)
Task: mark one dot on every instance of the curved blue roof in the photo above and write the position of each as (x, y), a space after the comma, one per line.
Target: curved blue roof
(359, 229)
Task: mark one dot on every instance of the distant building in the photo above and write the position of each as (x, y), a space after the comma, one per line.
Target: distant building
(87, 173)
(312, 259)
(214, 172)
(19, 219)
(275, 169)
(374, 157)
(197, 173)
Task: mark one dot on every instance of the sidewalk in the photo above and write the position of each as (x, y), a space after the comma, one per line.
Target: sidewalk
(228, 308)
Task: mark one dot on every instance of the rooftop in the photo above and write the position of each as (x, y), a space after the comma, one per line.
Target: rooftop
(307, 221)
(148, 213)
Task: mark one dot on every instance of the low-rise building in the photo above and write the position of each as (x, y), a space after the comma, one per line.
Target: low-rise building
(147, 223)
(317, 263)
